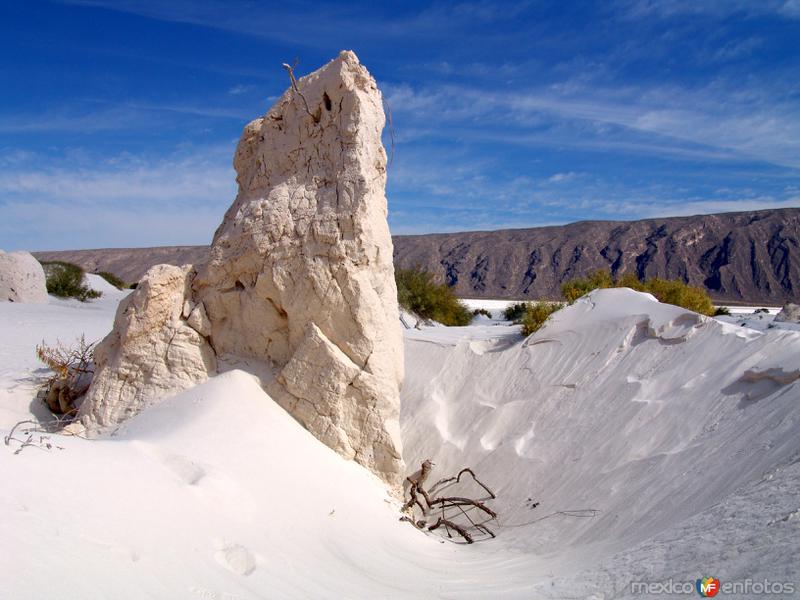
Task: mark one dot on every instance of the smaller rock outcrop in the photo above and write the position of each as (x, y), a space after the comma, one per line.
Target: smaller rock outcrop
(790, 313)
(22, 278)
(158, 347)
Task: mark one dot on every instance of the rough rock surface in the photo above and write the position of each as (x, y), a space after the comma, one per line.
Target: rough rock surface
(789, 313)
(21, 278)
(152, 352)
(299, 278)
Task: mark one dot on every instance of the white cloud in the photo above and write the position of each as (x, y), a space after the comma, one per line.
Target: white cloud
(652, 208)
(637, 9)
(94, 116)
(240, 89)
(118, 201)
(560, 177)
(718, 120)
(791, 8)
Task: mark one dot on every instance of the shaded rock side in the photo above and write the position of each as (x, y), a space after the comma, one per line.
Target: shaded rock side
(22, 278)
(299, 277)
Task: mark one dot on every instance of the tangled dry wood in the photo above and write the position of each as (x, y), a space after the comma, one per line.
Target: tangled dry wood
(451, 512)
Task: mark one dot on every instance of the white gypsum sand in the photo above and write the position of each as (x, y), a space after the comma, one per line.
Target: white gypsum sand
(635, 409)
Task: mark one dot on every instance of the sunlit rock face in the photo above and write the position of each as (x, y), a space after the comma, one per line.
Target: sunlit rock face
(299, 279)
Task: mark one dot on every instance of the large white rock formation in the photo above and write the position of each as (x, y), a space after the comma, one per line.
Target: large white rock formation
(299, 279)
(21, 278)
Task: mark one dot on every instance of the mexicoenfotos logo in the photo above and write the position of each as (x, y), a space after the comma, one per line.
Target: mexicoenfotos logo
(708, 587)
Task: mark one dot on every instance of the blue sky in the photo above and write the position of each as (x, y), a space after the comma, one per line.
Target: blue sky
(118, 119)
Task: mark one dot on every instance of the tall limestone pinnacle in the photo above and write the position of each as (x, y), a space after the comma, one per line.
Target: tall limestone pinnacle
(299, 280)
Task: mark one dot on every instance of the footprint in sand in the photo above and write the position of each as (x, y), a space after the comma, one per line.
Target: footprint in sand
(237, 559)
(184, 469)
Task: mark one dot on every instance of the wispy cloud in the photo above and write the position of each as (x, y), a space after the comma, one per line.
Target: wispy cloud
(559, 177)
(750, 124)
(682, 208)
(671, 8)
(92, 115)
(116, 201)
(240, 89)
(315, 24)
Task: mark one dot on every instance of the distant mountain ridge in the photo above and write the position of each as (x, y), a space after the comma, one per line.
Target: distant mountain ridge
(749, 256)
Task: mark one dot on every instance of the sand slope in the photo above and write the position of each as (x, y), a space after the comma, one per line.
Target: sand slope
(680, 433)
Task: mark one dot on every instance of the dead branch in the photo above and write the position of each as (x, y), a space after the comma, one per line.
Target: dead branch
(460, 530)
(457, 479)
(296, 89)
(33, 434)
(30, 437)
(456, 501)
(461, 504)
(416, 480)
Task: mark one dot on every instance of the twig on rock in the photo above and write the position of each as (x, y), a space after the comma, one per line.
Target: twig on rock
(290, 70)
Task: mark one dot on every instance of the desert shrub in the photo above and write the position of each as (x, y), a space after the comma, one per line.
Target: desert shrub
(762, 310)
(630, 280)
(681, 294)
(514, 312)
(72, 373)
(113, 280)
(575, 288)
(669, 291)
(722, 311)
(535, 315)
(65, 280)
(481, 311)
(420, 294)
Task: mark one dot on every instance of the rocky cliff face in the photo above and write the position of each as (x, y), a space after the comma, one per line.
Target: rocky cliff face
(299, 280)
(745, 257)
(739, 257)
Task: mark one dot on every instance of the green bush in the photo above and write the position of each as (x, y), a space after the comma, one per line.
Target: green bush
(630, 280)
(669, 291)
(535, 315)
(65, 280)
(481, 311)
(575, 288)
(681, 294)
(113, 280)
(722, 311)
(420, 294)
(514, 312)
